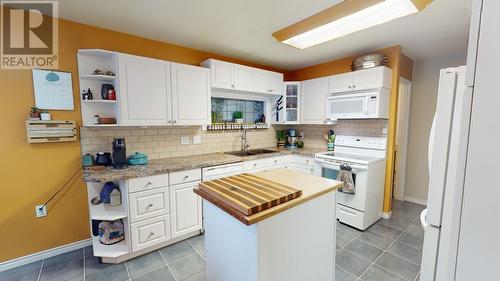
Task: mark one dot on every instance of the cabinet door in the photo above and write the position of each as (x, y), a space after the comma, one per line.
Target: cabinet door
(190, 94)
(313, 101)
(261, 81)
(340, 83)
(222, 74)
(275, 83)
(244, 78)
(185, 208)
(378, 77)
(144, 91)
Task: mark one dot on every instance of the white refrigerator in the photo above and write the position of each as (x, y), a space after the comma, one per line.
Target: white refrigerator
(462, 219)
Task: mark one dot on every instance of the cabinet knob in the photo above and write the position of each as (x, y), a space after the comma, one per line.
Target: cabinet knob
(232, 86)
(150, 205)
(175, 121)
(186, 177)
(254, 165)
(353, 86)
(169, 121)
(350, 86)
(151, 234)
(149, 183)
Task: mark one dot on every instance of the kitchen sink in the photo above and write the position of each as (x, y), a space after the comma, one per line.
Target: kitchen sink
(240, 153)
(250, 152)
(262, 151)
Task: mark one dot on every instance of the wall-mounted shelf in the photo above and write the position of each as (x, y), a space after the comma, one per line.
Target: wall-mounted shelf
(100, 101)
(98, 77)
(236, 126)
(50, 131)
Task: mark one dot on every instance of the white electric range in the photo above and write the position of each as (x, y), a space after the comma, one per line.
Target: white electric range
(366, 157)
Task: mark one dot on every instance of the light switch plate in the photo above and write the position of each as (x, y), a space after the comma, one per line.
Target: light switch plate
(41, 212)
(196, 139)
(184, 140)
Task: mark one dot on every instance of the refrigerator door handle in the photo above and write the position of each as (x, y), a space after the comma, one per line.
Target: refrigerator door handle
(423, 222)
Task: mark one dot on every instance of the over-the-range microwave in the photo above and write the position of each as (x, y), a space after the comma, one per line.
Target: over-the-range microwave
(369, 104)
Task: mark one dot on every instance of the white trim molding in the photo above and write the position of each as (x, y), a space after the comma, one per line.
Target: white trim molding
(6, 265)
(387, 215)
(416, 200)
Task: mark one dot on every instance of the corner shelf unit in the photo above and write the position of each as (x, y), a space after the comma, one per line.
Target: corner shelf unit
(88, 61)
(103, 212)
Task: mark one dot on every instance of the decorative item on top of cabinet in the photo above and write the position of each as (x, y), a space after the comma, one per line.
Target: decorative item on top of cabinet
(235, 77)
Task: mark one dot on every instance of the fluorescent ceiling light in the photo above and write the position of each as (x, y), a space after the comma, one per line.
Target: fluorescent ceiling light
(379, 13)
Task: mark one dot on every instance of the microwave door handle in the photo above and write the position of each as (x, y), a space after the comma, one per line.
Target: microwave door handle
(367, 99)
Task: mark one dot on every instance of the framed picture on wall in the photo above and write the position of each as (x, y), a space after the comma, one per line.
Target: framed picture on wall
(53, 89)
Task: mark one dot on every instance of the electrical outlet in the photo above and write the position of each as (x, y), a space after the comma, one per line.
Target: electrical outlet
(196, 139)
(40, 212)
(184, 140)
(301, 134)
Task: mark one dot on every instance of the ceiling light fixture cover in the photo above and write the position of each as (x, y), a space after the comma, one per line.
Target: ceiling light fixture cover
(345, 18)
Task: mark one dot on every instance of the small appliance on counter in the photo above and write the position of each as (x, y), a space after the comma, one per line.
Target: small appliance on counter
(138, 158)
(119, 153)
(88, 160)
(103, 159)
(292, 138)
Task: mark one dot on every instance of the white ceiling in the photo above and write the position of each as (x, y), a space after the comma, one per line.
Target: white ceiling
(243, 28)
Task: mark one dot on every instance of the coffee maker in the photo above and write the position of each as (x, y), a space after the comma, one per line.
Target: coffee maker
(119, 153)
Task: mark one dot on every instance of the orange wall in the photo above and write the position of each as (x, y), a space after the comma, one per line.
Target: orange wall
(30, 174)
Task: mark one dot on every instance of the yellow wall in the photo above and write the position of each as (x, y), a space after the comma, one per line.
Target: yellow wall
(30, 174)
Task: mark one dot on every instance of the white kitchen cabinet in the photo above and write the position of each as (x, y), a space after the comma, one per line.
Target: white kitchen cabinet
(190, 94)
(312, 103)
(144, 87)
(377, 77)
(268, 82)
(244, 77)
(221, 74)
(290, 113)
(236, 77)
(186, 210)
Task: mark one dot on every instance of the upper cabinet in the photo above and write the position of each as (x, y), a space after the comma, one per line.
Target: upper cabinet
(377, 77)
(190, 101)
(145, 91)
(312, 103)
(149, 92)
(235, 77)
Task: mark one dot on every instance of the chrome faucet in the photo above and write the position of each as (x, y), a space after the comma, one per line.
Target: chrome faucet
(244, 141)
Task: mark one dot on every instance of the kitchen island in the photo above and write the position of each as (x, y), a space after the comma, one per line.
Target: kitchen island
(293, 241)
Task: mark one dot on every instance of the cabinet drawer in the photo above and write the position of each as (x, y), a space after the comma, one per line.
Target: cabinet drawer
(350, 216)
(185, 176)
(304, 160)
(148, 204)
(254, 165)
(150, 232)
(145, 183)
(278, 161)
(308, 169)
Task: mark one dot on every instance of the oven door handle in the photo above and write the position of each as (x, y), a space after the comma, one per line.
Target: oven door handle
(336, 166)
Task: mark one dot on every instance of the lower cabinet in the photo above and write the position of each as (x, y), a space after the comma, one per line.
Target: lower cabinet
(185, 209)
(150, 232)
(297, 163)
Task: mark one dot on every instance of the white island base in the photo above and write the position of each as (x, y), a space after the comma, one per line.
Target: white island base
(295, 245)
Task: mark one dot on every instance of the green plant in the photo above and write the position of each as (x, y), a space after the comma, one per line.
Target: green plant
(34, 112)
(281, 135)
(237, 115)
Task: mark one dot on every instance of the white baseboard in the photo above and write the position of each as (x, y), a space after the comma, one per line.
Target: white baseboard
(387, 215)
(416, 200)
(6, 265)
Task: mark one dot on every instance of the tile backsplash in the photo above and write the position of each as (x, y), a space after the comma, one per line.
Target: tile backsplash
(313, 134)
(165, 142)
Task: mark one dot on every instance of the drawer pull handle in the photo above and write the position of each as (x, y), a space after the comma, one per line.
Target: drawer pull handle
(186, 177)
(150, 205)
(149, 183)
(151, 234)
(275, 161)
(254, 165)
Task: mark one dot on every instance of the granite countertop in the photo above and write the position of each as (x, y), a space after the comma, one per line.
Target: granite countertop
(173, 164)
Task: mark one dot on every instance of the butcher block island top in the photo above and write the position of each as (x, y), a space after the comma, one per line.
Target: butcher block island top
(251, 198)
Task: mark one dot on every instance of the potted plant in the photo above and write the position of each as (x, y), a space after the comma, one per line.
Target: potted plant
(45, 115)
(238, 117)
(281, 137)
(35, 113)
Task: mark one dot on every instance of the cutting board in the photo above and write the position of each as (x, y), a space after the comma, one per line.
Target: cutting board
(246, 193)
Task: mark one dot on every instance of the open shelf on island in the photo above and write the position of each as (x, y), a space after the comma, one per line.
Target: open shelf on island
(109, 251)
(107, 213)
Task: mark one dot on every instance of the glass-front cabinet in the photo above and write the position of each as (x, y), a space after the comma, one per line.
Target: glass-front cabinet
(286, 108)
